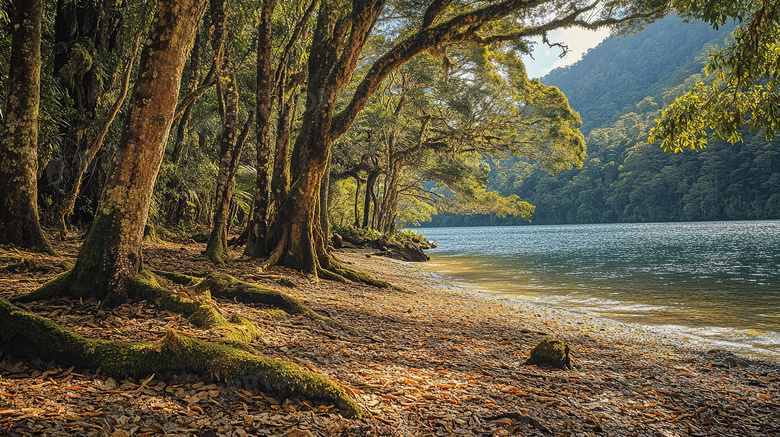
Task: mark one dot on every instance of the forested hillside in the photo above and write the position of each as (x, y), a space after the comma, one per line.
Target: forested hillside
(619, 88)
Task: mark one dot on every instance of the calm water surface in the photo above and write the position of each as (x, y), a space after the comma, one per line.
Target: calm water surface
(714, 282)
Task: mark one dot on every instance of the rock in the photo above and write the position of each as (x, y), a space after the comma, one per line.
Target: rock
(552, 352)
(724, 358)
(338, 242)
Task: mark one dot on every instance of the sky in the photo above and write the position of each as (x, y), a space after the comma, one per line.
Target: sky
(547, 58)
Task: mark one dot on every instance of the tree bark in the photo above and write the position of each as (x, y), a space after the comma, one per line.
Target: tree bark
(324, 202)
(111, 254)
(186, 117)
(19, 222)
(255, 246)
(370, 196)
(230, 153)
(280, 180)
(357, 201)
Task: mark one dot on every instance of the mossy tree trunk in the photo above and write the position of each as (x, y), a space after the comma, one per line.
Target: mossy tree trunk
(255, 246)
(296, 236)
(19, 222)
(230, 146)
(111, 254)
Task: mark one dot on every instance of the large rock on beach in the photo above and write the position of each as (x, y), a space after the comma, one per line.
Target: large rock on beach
(552, 352)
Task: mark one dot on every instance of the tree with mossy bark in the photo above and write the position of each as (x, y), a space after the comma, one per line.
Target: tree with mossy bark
(231, 143)
(109, 265)
(19, 222)
(343, 27)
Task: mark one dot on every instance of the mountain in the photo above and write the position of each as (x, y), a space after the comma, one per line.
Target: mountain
(618, 88)
(621, 71)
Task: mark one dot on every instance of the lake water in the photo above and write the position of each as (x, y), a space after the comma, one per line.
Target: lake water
(713, 282)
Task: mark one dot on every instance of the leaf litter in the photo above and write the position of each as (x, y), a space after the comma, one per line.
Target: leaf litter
(427, 360)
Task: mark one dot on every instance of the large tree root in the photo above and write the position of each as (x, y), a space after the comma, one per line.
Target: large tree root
(200, 311)
(26, 334)
(341, 269)
(226, 286)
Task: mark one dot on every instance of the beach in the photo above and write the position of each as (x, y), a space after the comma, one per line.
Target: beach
(423, 358)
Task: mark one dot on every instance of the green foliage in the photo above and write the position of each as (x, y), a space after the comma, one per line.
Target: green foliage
(745, 90)
(627, 179)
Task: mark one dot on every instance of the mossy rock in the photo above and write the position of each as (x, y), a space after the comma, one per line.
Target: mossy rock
(726, 358)
(552, 352)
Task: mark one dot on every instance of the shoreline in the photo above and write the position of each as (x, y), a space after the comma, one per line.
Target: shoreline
(564, 315)
(702, 337)
(429, 359)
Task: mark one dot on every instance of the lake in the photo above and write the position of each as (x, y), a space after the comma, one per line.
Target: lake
(717, 283)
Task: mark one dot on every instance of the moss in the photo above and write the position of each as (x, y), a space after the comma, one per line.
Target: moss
(552, 352)
(177, 278)
(55, 287)
(146, 286)
(275, 314)
(223, 285)
(24, 333)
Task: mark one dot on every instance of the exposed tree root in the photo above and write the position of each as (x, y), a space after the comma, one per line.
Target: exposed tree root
(201, 312)
(178, 278)
(343, 270)
(226, 286)
(25, 334)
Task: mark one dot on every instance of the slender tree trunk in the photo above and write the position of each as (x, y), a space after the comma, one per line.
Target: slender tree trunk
(280, 181)
(192, 85)
(255, 246)
(370, 196)
(111, 254)
(390, 199)
(230, 153)
(357, 201)
(19, 223)
(324, 201)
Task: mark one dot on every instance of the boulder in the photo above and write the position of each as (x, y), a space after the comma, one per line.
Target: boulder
(552, 352)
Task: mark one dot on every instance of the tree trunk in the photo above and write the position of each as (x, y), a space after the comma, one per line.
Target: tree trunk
(19, 223)
(390, 199)
(111, 254)
(192, 85)
(296, 236)
(357, 201)
(280, 181)
(324, 201)
(370, 197)
(255, 246)
(230, 153)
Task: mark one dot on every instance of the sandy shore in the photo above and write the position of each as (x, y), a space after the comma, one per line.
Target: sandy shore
(429, 359)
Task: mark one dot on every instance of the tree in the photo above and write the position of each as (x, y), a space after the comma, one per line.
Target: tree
(111, 253)
(745, 91)
(19, 223)
(230, 142)
(341, 32)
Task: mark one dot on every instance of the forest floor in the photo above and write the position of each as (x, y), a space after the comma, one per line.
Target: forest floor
(430, 359)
